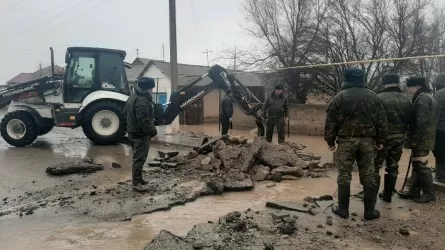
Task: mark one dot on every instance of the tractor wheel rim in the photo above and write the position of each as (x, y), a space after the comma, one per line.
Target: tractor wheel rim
(16, 129)
(105, 122)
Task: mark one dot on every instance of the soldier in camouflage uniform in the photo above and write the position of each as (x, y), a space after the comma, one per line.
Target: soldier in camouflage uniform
(356, 120)
(276, 112)
(140, 126)
(398, 111)
(421, 138)
(439, 148)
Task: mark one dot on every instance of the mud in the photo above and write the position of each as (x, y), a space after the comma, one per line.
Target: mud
(295, 228)
(173, 180)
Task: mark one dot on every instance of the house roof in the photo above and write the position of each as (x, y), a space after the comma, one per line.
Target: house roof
(186, 72)
(27, 77)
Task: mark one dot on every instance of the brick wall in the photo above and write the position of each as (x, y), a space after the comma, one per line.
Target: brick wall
(305, 119)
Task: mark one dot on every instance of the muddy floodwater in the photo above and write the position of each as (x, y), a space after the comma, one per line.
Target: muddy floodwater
(23, 170)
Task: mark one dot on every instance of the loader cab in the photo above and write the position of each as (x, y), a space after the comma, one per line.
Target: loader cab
(93, 69)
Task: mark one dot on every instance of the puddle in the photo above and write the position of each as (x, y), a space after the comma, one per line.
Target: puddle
(65, 233)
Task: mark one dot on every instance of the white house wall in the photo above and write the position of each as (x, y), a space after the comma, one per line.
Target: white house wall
(163, 84)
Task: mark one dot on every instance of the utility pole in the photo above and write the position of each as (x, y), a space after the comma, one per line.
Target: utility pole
(234, 60)
(137, 53)
(207, 54)
(163, 53)
(173, 46)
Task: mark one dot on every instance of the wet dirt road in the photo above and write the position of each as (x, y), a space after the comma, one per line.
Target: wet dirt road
(22, 170)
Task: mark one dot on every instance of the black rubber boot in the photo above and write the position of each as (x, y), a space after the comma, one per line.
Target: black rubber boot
(390, 183)
(414, 189)
(144, 182)
(376, 188)
(427, 186)
(440, 173)
(370, 212)
(342, 209)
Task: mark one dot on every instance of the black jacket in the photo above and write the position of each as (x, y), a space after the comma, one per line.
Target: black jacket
(140, 114)
(226, 107)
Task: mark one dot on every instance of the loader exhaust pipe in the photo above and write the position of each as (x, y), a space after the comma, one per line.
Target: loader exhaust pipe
(52, 60)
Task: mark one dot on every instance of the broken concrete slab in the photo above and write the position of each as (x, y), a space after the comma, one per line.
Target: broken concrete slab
(279, 155)
(154, 163)
(285, 170)
(168, 154)
(260, 173)
(73, 168)
(324, 204)
(244, 185)
(288, 205)
(166, 240)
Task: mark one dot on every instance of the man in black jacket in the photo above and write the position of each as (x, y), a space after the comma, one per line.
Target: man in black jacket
(140, 126)
(226, 109)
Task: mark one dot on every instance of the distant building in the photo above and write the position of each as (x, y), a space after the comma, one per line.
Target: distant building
(27, 77)
(204, 110)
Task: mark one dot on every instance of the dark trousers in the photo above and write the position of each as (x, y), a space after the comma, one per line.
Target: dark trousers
(281, 128)
(225, 125)
(140, 146)
(439, 154)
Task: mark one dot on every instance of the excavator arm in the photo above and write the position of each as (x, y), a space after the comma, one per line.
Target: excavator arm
(220, 79)
(36, 88)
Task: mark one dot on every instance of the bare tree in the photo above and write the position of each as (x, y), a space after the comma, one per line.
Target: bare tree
(287, 30)
(300, 32)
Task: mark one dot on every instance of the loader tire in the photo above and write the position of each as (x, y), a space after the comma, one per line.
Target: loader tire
(47, 127)
(18, 128)
(104, 122)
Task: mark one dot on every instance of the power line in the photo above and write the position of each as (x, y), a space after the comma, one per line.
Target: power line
(36, 24)
(33, 17)
(11, 6)
(81, 13)
(195, 12)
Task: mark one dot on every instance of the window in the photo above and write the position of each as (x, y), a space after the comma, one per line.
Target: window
(112, 73)
(81, 74)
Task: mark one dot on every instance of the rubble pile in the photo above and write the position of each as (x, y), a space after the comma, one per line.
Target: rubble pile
(237, 158)
(250, 230)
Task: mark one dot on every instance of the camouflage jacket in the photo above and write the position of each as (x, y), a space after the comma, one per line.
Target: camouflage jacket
(422, 125)
(398, 111)
(355, 111)
(440, 99)
(140, 114)
(276, 106)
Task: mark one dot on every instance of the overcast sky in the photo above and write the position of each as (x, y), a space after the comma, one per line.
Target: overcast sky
(29, 27)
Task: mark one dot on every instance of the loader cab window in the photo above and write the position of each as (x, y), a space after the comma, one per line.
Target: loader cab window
(80, 77)
(112, 73)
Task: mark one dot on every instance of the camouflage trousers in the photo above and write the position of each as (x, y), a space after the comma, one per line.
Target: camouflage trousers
(281, 128)
(390, 154)
(355, 149)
